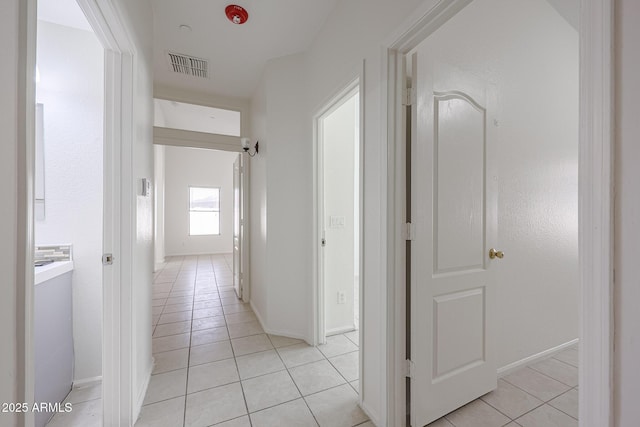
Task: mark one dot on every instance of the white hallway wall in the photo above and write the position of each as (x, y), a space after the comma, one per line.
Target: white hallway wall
(285, 127)
(185, 167)
(71, 89)
(291, 91)
(159, 186)
(280, 202)
(288, 200)
(258, 207)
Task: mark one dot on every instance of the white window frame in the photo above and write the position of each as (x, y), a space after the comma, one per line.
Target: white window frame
(219, 210)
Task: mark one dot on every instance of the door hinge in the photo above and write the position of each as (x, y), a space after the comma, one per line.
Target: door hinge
(408, 96)
(107, 259)
(408, 231)
(409, 368)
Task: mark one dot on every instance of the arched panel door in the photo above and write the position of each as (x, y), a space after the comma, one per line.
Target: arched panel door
(454, 216)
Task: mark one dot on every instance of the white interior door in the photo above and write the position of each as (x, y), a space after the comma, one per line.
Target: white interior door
(237, 225)
(453, 211)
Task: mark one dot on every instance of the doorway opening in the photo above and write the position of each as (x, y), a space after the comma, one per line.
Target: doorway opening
(115, 330)
(199, 292)
(467, 333)
(68, 208)
(339, 218)
(199, 207)
(594, 397)
(185, 128)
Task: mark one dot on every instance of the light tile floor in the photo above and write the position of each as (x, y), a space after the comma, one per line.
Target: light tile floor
(87, 408)
(214, 366)
(544, 394)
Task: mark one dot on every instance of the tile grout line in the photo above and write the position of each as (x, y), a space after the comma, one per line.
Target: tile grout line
(341, 374)
(559, 408)
(188, 352)
(294, 382)
(186, 385)
(235, 361)
(265, 374)
(498, 410)
(545, 401)
(539, 406)
(549, 376)
(276, 349)
(562, 361)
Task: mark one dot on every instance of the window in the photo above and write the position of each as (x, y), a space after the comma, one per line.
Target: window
(204, 211)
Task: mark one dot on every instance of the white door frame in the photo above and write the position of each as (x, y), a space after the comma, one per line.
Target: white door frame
(318, 303)
(595, 204)
(190, 139)
(119, 406)
(240, 224)
(25, 208)
(318, 168)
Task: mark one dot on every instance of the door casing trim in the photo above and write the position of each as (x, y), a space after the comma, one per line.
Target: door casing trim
(595, 203)
(119, 404)
(318, 321)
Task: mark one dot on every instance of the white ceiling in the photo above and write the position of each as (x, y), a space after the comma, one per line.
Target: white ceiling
(236, 53)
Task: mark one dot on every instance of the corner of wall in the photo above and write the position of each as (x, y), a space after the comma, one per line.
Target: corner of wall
(279, 332)
(143, 391)
(373, 415)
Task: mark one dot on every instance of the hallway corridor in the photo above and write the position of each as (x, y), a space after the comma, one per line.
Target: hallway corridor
(214, 365)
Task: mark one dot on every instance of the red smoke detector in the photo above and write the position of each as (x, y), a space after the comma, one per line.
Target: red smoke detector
(236, 14)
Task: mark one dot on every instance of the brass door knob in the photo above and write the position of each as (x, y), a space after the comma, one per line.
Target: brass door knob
(495, 254)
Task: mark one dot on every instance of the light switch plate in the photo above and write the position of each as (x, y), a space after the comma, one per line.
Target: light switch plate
(336, 221)
(146, 187)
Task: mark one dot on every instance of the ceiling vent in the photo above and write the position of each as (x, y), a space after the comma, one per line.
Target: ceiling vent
(189, 65)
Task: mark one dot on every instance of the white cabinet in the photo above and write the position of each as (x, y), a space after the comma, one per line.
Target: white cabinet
(53, 338)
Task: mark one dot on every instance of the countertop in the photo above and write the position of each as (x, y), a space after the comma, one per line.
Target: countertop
(48, 272)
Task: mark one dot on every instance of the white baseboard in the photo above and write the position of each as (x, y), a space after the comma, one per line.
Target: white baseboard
(270, 331)
(373, 417)
(201, 253)
(87, 382)
(159, 265)
(257, 313)
(512, 367)
(143, 391)
(342, 330)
